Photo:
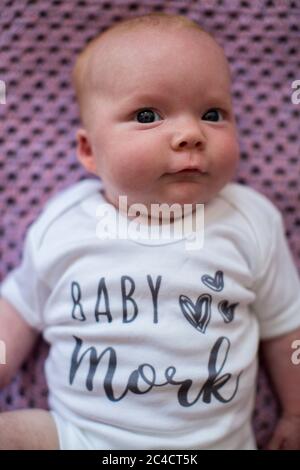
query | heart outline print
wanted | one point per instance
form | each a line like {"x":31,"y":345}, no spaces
{"x":215,"y":283}
{"x":227,"y":310}
{"x":194,"y":313}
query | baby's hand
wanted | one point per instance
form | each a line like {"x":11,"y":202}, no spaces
{"x":287,"y":434}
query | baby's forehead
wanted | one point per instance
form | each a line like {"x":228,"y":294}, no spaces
{"x":150,"y":48}
{"x":122,"y":44}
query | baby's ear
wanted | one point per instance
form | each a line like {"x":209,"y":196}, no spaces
{"x":84,"y":151}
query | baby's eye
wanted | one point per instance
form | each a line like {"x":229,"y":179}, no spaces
{"x":146,"y":116}
{"x":213,"y":115}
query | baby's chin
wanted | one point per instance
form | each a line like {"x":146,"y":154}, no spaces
{"x":186,"y":195}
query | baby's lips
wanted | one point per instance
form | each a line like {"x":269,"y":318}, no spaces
{"x":187,"y":169}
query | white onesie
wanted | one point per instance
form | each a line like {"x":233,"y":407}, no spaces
{"x":154,"y":346}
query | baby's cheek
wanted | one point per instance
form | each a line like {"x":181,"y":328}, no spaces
{"x":231,"y":153}
{"x":138,"y":167}
{"x":127,"y":175}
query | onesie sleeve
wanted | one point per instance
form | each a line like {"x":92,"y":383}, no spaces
{"x":277,"y":285}
{"x":23,"y":287}
{"x":27,"y":287}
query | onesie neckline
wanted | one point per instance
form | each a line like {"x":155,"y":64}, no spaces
{"x":116,"y":225}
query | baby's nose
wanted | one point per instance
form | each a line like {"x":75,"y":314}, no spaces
{"x":189,"y":143}
{"x":188,"y":138}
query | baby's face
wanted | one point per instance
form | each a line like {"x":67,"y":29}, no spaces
{"x":161,"y":127}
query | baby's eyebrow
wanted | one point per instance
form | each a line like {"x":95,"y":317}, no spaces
{"x":143,"y":97}
{"x":147,"y":99}
{"x":219,"y":97}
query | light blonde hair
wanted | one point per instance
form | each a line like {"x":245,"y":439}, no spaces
{"x":81,"y":70}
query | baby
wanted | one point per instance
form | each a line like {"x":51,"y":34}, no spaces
{"x":154,"y":345}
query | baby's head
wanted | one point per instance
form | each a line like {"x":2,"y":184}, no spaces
{"x":155,"y":102}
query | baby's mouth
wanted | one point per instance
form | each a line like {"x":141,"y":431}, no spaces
{"x":190,"y":172}
{"x":187,"y":174}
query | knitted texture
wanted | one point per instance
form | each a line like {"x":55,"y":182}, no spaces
{"x":38,"y":43}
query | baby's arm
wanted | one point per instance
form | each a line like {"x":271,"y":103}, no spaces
{"x":18,"y":338}
{"x":24,"y":429}
{"x":286,"y":377}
